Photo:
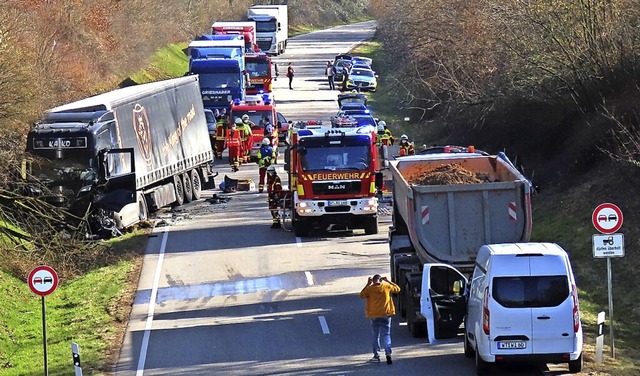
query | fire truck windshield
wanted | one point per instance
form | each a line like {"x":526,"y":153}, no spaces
{"x":332,"y":158}
{"x":257,"y":68}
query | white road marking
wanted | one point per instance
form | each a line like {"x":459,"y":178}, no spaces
{"x":298,"y":242}
{"x":309,"y":278}
{"x":323,"y":325}
{"x":152,"y":305}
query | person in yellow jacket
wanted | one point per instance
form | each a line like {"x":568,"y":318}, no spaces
{"x":379,"y":308}
{"x":247,"y":138}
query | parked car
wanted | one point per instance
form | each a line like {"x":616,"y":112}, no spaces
{"x":362,"y":60}
{"x":362,"y":79}
{"x":364,"y":119}
{"x":343,"y":120}
{"x":283,"y":129}
{"x":351,"y":97}
{"x":523,"y":306}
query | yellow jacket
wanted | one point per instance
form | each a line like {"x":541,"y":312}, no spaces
{"x":378,"y":299}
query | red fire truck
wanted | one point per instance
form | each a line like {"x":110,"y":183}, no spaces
{"x":259,"y":68}
{"x":332,"y":174}
{"x":256,"y":106}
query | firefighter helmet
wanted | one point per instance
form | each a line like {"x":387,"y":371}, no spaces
{"x":245,"y":117}
{"x":380,"y":128}
{"x":404,"y":137}
{"x":265,"y":141}
{"x":271,"y":168}
{"x":382,"y":123}
{"x":238,"y":121}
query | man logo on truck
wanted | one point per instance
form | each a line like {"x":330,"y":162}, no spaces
{"x":143,"y":131}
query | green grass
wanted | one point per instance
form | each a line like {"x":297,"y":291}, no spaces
{"x":82,"y":310}
{"x":167,"y":62}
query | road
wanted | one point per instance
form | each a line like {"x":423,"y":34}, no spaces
{"x":230,"y":296}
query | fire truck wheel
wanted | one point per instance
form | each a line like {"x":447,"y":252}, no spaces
{"x":177,"y":183}
{"x":371,"y":226}
{"x":196,"y":185}
{"x":188,"y":187}
{"x":300,"y":227}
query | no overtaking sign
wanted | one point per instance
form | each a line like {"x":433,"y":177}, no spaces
{"x":607,"y":218}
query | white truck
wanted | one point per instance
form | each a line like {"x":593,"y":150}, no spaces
{"x":272,"y":27}
{"x":441,"y":220}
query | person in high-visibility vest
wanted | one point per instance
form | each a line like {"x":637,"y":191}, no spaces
{"x":265,"y":158}
{"x":406,"y":147}
{"x":386,"y":137}
{"x":274,"y":187}
{"x":234,"y":143}
{"x":221,"y":134}
{"x":247,"y":137}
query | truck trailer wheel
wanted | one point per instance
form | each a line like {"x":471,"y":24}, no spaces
{"x":196,"y":185}
{"x":188,"y":187}
{"x":143,"y":209}
{"x":179,"y":187}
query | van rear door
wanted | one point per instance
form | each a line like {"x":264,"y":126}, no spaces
{"x":442,"y":301}
{"x":552,"y":306}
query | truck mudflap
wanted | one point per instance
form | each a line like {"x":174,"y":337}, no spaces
{"x":442,"y":301}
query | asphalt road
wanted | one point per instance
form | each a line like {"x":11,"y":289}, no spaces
{"x":230,"y":296}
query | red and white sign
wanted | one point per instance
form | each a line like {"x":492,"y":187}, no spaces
{"x":43,"y":280}
{"x":607,"y":218}
{"x":425,"y":215}
{"x":513,"y":215}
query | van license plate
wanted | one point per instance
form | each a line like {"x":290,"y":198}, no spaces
{"x":506,"y":345}
{"x":338,"y":203}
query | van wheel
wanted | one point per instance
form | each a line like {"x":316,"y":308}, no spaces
{"x":196,"y":185}
{"x":575,"y":366}
{"x":468,"y":350}
{"x":177,"y":183}
{"x":482,"y":367}
{"x":188,"y":187}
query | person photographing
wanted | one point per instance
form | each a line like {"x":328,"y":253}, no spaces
{"x":379,"y":308}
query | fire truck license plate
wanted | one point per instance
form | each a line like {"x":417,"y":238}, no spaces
{"x":506,"y":345}
{"x":337,"y":203}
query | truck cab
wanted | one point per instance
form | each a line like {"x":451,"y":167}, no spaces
{"x":272,"y":27}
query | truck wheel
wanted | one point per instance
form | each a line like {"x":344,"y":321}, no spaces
{"x":188,"y":187}
{"x":196,"y":185}
{"x":371,"y":225}
{"x":179,"y":187}
{"x":143,"y":209}
{"x":299,"y":227}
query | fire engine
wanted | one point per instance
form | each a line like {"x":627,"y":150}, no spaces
{"x":334,"y":179}
{"x":256,"y":106}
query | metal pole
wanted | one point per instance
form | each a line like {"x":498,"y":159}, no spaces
{"x":610,"y":288}
{"x":44,"y":337}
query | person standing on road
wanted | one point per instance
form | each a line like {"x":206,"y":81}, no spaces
{"x":345,"y":77}
{"x":274,"y":187}
{"x":233,"y":142}
{"x":247,"y":137}
{"x":290,"y":72}
{"x":379,"y":308}
{"x":265,"y":158}
{"x":331,"y":71}
{"x":221,"y":134}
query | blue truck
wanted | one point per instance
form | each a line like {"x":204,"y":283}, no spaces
{"x":219,"y":61}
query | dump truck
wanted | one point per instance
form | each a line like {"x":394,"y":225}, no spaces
{"x":446,"y":205}
{"x":112,"y":158}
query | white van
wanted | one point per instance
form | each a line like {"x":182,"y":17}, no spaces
{"x":522,"y":305}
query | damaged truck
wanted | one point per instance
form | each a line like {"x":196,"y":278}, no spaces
{"x":113,"y":158}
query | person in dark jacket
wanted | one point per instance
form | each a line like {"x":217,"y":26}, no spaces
{"x":290,"y":73}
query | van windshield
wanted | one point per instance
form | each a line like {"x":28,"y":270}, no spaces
{"x":530,"y":292}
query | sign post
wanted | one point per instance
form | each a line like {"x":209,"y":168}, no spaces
{"x":607,"y":219}
{"x":43,"y":280}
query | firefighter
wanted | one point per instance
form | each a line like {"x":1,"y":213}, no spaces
{"x":379,"y":134}
{"x":387,"y":137}
{"x":233,"y":142}
{"x":221,"y":134}
{"x":274,"y":187}
{"x":406,"y":147}
{"x":265,"y":157}
{"x":247,"y":137}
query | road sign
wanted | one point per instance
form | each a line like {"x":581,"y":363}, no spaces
{"x":611,"y":245}
{"x":607,"y":218}
{"x":43,"y":280}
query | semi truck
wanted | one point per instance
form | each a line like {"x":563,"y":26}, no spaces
{"x":332,"y":174}
{"x":112,"y":158}
{"x":245,"y":28}
{"x":219,"y":61}
{"x":446,"y":205}
{"x":272,"y":27}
